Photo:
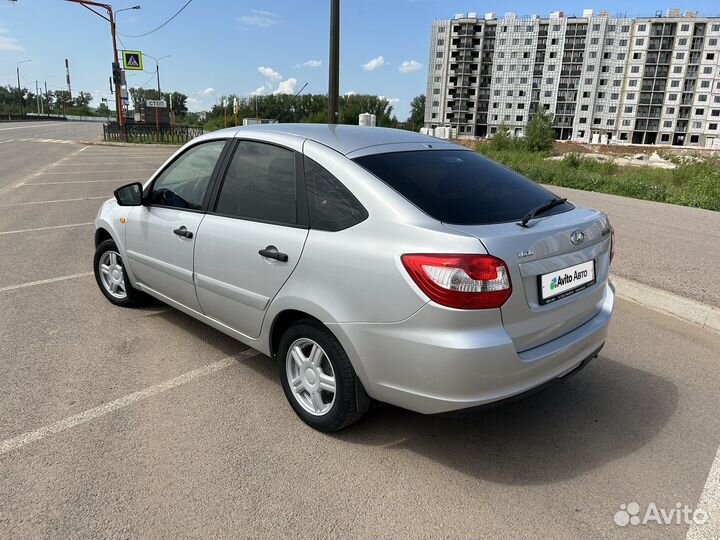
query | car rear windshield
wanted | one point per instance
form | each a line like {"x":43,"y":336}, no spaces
{"x":460,"y":186}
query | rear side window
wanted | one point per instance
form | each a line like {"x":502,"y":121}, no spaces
{"x":459,"y":186}
{"x":260,"y":184}
{"x":332,"y":207}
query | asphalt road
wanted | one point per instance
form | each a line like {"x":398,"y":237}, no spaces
{"x":145,"y":423}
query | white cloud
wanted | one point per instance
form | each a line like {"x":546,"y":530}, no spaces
{"x":259,"y":91}
{"x":351,"y":93}
{"x":259,"y":18}
{"x":310,"y":64}
{"x":8,"y":44}
{"x":286,"y":87}
{"x":391,"y":101}
{"x":270,"y":73}
{"x":207,"y":92}
{"x":408,"y":66}
{"x":374,"y":64}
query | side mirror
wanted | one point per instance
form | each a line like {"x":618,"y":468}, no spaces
{"x":129,"y":195}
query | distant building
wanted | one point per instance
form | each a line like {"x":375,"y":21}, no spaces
{"x":607,"y":79}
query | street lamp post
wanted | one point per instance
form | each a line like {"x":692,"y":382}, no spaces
{"x":47,"y":96}
{"x":20,"y":96}
{"x":157,"y":74}
{"x":334,"y":68}
{"x":110,"y":17}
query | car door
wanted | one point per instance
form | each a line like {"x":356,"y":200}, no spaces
{"x":251,"y":243}
{"x":160,"y":235}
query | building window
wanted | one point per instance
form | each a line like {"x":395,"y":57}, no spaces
{"x":611,"y":28}
{"x":596,"y":27}
{"x":583,"y":120}
{"x":606,"y":56}
{"x":612,"y":109}
{"x":609,"y":41}
{"x":712,"y":42}
{"x":675,"y":83}
{"x":665,"y":137}
{"x":586,"y":94}
{"x":436,"y":91}
{"x":551,"y":67}
{"x":631,"y":96}
{"x":438,"y":67}
{"x":621,"y":56}
{"x":702,"y":97}
{"x":614,"y":96}
{"x":441,"y":29}
{"x":616,"y":82}
{"x":712,"y":127}
{"x":584,"y":107}
{"x":715,"y":27}
{"x":548,"y":93}
{"x":439,"y":54}
{"x":635,"y":69}
{"x":619,"y":69}
{"x":610,"y":122}
{"x":626,"y":122}
{"x":715,"y":112}
{"x":707,"y":70}
{"x":519,"y":118}
{"x":596,"y":121}
{"x":625,"y":28}
{"x":685,"y":28}
{"x":667,"y":124}
{"x":677,"y":69}
{"x":594,"y":41}
{"x":556,"y":28}
{"x":628,"y":110}
{"x":704,"y":84}
{"x":553,"y":54}
{"x":672,"y":97}
{"x":435,"y":103}
{"x":637,"y":56}
{"x":553,"y":41}
{"x":521,"y":106}
{"x":641,"y":28}
{"x":682,"y":41}
{"x":441,"y":42}
{"x":639,"y":42}
{"x":670,"y":110}
{"x":549,"y":80}
{"x":694,"y":139}
{"x":633,"y":82}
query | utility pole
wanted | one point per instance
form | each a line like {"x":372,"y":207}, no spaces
{"x":110,"y":17}
{"x":37,"y":97}
{"x":20,"y":95}
{"x":47,"y":96}
{"x":334,"y":73}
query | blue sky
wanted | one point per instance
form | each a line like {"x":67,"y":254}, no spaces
{"x":246,"y":46}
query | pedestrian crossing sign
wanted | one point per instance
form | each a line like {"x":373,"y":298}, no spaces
{"x":132,"y":60}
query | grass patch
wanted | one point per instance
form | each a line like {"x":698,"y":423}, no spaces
{"x":695,"y":184}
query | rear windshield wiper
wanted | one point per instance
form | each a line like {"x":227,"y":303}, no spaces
{"x":547,"y":205}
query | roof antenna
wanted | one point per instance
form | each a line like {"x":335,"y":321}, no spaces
{"x":291,"y":102}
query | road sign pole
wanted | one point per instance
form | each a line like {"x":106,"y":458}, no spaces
{"x":334,"y":67}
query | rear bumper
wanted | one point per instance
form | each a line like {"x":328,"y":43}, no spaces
{"x":442,"y":360}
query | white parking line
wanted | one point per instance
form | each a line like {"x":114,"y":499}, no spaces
{"x":709,"y":502}
{"x":43,"y":282}
{"x":47,"y":228}
{"x":104,"y":171}
{"x":128,"y":180}
{"x":120,"y":403}
{"x":25,"y":127}
{"x":54,"y":201}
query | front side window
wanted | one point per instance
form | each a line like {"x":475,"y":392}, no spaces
{"x":184,"y":183}
{"x":331,"y":206}
{"x":459,"y":186}
{"x":260,"y":184}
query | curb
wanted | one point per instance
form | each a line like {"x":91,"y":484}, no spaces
{"x":697,"y":313}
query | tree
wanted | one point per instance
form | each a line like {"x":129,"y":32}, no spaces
{"x":540,"y":134}
{"x":417,"y":112}
{"x":102,"y":109}
{"x":501,"y":140}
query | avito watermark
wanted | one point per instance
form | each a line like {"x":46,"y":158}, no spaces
{"x":680,"y":514}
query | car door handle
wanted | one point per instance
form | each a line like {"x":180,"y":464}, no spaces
{"x":271,"y":252}
{"x":182,"y":231}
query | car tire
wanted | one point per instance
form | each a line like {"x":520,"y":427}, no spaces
{"x":112,"y":277}
{"x":310,"y":361}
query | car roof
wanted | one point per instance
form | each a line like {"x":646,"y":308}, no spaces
{"x":342,"y":138}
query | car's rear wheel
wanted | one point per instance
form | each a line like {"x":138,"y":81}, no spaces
{"x":318,"y":378}
{"x":112,"y":278}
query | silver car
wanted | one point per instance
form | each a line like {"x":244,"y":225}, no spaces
{"x":374,"y":264}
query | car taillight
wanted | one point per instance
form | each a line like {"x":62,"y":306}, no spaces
{"x":612,"y":244}
{"x":460,"y":281}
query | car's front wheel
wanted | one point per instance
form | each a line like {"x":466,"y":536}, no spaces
{"x":318,"y":378}
{"x":112,"y":278}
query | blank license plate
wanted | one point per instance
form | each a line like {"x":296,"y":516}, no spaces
{"x":562,"y":283}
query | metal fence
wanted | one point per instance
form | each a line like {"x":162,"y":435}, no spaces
{"x":144,"y":133}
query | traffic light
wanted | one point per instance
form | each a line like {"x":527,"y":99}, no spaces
{"x":117,"y":76}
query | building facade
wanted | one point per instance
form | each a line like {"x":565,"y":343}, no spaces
{"x":606,"y":79}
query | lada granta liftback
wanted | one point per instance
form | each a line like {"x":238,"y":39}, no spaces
{"x":374,"y":264}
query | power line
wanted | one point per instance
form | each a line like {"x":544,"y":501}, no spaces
{"x":159,"y":27}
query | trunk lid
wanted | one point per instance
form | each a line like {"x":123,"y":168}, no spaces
{"x":545,"y":247}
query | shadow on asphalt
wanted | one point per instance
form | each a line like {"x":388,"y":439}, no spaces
{"x":602,"y":414}
{"x":607,"y":411}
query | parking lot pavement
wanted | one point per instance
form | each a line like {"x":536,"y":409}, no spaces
{"x":658,"y":242}
{"x":146,"y":423}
